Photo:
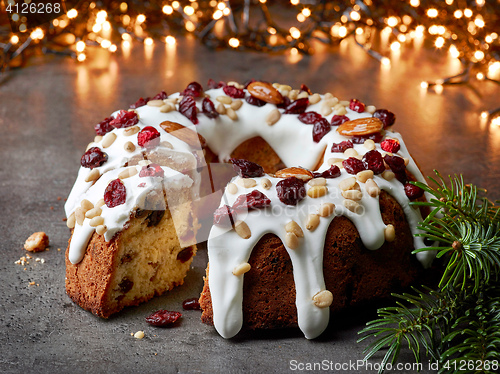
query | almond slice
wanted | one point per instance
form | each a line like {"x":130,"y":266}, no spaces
{"x":296,"y":172}
{"x":265,"y":92}
{"x":360,"y":126}
{"x":183,"y":133}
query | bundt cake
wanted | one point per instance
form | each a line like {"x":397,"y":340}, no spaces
{"x":296,"y":242}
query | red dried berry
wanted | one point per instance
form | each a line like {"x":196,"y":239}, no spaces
{"x":185,"y":254}
{"x":252,"y":100}
{"x":373,"y":161}
{"x":148,"y":137}
{"x":103,"y":127}
{"x":413,"y":192}
{"x":342,"y":146}
{"x":214,"y":85}
{"x":360,"y":139}
{"x":247,"y":169}
{"x":390,"y":145}
{"x":304,"y":88}
{"x":310,"y":118}
{"x":223,"y":216}
{"x":115,"y":193}
{"x":396,"y":163}
{"x":286,"y":101}
{"x":320,"y":129}
{"x":160,"y":96}
{"x":163,"y":318}
{"x":193,"y":89}
{"x":139,"y":103}
{"x":191,"y":304}
{"x":234,"y":92}
{"x":357,"y":106}
{"x":124,"y":119}
{"x":297,"y":107}
{"x":93,"y":158}
{"x":152,"y":170}
{"x":187,"y":107}
{"x":333,"y":172}
{"x":208,"y":108}
{"x":251,"y":201}
{"x":338,"y":120}
{"x":353,"y":166}
{"x":247,"y":83}
{"x":291,"y":190}
{"x":387,"y":117}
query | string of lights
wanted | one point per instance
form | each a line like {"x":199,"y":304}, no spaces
{"x":466,"y":29}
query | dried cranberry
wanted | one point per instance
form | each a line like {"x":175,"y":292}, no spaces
{"x":223,"y":216}
{"x":387,"y":117}
{"x":115,"y":193}
{"x":152,"y":170}
{"x":290,"y":190}
{"x":234,"y":92}
{"x":193,"y":89}
{"x":160,"y":96}
{"x":286,"y":101}
{"x":390,"y":145}
{"x":252,"y":100}
{"x":373,"y":161}
{"x":139,"y":103}
{"x":304,"y":88}
{"x":187,"y":107}
{"x":251,"y":201}
{"x":333,"y":172}
{"x":247,"y":83}
{"x":214,"y":85}
{"x":148,"y":137}
{"x":185,"y":254}
{"x":208,"y":108}
{"x":338,"y":120}
{"x":103,"y":127}
{"x":360,"y":139}
{"x":342,"y":146}
{"x":353,"y":166}
{"x":357,"y":106}
{"x":124,"y":118}
{"x":297,"y":107}
{"x":163,"y":318}
{"x":396,"y":163}
{"x":310,"y":118}
{"x":93,"y":158}
{"x":191,"y":304}
{"x":247,"y":169}
{"x":413,"y":192}
{"x":320,"y":129}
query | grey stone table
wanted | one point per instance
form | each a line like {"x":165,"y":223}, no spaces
{"x":47,"y":113}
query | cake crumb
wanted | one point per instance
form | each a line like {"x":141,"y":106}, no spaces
{"x":32,"y":283}
{"x":139,"y":335}
{"x":37,"y":242}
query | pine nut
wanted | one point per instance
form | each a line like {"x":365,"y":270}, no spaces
{"x":236,"y":104}
{"x":327,"y":96}
{"x":276,"y":85}
{"x":323,"y":299}
{"x":326,"y":209}
{"x":372,"y":188}
{"x":351,"y":152}
{"x":96,"y":221}
{"x":314,"y":99}
{"x":171,"y":100}
{"x":86,"y":205}
{"x":266,"y":183}
{"x":388,"y":175}
{"x":93,"y":175}
{"x":390,"y":233}
{"x":369,"y":144}
{"x":108,"y":139}
{"x":242,"y":269}
{"x":371,"y":109}
{"x":317,"y":191}
{"x":355,"y":195}
{"x":326,"y":109}
{"x":166,"y":108}
{"x":235,"y":84}
{"x":127,"y":173}
{"x":224,"y":99}
{"x":139,"y":335}
{"x":345,"y":102}
{"x":129,"y":147}
{"x":273,"y":117}
{"x":293,"y":95}
{"x":294,"y":227}
{"x":156,"y":103}
{"x":97,"y":138}
{"x":71,"y":221}
{"x":101,"y":229}
{"x":93,"y":213}
{"x":129,"y":131}
{"x":144,"y":162}
{"x":340,"y":111}
{"x":100,"y":203}
{"x":352,"y":206}
{"x":79,"y":216}
{"x":330,"y":102}
{"x":364,"y":175}
{"x":347,"y":184}
{"x":246,"y":182}
{"x":232,"y":188}
{"x":221,"y":109}
{"x":285,"y":87}
{"x":406,"y":160}
{"x":166,"y":144}
{"x":303,"y":95}
{"x":291,"y":240}
{"x":312,"y":222}
{"x":242,"y":229}
{"x":317,"y":182}
{"x":231,"y":114}
{"x":334,"y":161}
